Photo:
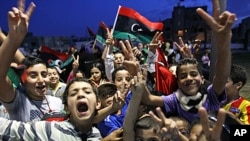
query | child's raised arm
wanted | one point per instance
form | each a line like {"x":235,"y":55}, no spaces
{"x":221,"y":24}
{"x":18,"y":21}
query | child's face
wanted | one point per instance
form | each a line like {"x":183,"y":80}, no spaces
{"x":118,"y":59}
{"x":36,"y":81}
{"x":106,"y":101}
{"x":182,"y":127}
{"x":189,"y":79}
{"x":122,"y":80}
{"x":53,"y":75}
{"x":96,"y":74}
{"x":147,"y":135}
{"x":79,"y":75}
{"x":232,"y":90}
{"x":82,"y":103}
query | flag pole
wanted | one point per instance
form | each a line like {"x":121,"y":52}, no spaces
{"x":116,"y":17}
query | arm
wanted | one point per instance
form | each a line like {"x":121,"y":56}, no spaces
{"x":107,"y":55}
{"x":18,"y":21}
{"x":118,"y":103}
{"x":152,"y":53}
{"x":151,"y":100}
{"x":19,"y":57}
{"x":11,"y":129}
{"x":133,"y":107}
{"x":221,"y":25}
{"x":114,"y":136}
{"x":75,"y":66}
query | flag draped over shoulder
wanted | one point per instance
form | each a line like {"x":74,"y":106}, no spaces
{"x":100,"y":39}
{"x":130,"y":23}
{"x":165,"y":81}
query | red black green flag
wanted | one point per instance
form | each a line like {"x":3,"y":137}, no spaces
{"x":101,"y":35}
{"x":91,"y":32}
{"x":130,"y":23}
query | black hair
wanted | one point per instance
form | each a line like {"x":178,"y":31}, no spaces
{"x":101,"y":67}
{"x":116,"y":70}
{"x":66,"y":91}
{"x":28,"y":62}
{"x":31,"y":61}
{"x":238,"y":74}
{"x":106,"y":89}
{"x":147,"y":122}
{"x":186,"y":61}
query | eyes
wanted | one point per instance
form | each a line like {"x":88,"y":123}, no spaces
{"x":119,"y":79}
{"x":54,"y":73}
{"x":35,"y":74}
{"x":76,"y":91}
{"x":118,"y":58}
{"x":190,"y":74}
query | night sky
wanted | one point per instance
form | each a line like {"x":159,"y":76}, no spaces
{"x":72,"y":17}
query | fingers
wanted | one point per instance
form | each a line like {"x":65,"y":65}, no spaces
{"x":123,"y":47}
{"x":219,"y":123}
{"x":208,"y":19}
{"x":30,"y":10}
{"x":216,"y":9}
{"x":156,"y":37}
{"x":129,"y":47}
{"x":21,"y":5}
{"x":204,"y":121}
{"x":77,"y":58}
{"x":155,"y":118}
{"x":231,"y":18}
{"x":181,"y":42}
{"x":160,"y":113}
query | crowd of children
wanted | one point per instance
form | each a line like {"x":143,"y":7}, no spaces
{"x":116,"y":99}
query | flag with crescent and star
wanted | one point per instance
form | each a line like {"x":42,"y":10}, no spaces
{"x":130,"y":23}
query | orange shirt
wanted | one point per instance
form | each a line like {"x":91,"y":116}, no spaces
{"x":241,"y":109}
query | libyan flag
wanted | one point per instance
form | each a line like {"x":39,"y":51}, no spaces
{"x":131,"y":24}
{"x":100,"y":39}
{"x":54,"y":58}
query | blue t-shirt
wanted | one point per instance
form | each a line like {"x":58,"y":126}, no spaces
{"x":114,"y":121}
{"x":212,"y":103}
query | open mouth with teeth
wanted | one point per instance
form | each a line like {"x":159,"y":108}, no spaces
{"x":82,"y":108}
{"x":41,"y":88}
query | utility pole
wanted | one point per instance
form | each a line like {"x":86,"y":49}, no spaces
{"x":213,"y":54}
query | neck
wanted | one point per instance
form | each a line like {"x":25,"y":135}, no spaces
{"x":83,"y":127}
{"x":54,"y":85}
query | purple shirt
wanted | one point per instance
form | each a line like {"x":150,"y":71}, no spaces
{"x":212,"y":103}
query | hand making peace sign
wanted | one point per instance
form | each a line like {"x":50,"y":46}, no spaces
{"x":184,"y":50}
{"x":220,"y":23}
{"x":75,"y":64}
{"x":18,"y":20}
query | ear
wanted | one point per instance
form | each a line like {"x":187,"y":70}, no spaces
{"x":202,"y":79}
{"x":98,"y":104}
{"x":239,"y":85}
